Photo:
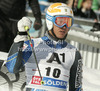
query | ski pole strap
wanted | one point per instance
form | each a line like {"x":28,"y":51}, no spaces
{"x":22,"y":33}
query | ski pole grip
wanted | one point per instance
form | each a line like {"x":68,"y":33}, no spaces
{"x":26,"y":28}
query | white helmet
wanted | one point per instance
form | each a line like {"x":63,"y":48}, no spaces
{"x":55,"y":10}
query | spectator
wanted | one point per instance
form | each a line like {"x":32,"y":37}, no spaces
{"x":73,"y":6}
{"x":86,"y":10}
{"x":63,"y":1}
{"x":96,"y":28}
{"x":75,"y":9}
{"x":10,"y":12}
{"x":70,"y":3}
{"x":96,"y":5}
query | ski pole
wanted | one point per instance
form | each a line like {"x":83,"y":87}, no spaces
{"x":27,"y":28}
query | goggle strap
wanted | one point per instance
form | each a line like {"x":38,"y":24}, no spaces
{"x":49,"y":17}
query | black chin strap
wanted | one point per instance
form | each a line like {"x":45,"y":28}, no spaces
{"x":55,"y":37}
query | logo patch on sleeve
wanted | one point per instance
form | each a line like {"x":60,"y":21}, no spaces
{"x":79,"y":74}
{"x":24,"y":46}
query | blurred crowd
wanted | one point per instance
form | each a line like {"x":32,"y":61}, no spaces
{"x":13,"y":10}
{"x":81,"y":8}
{"x":84,"y":9}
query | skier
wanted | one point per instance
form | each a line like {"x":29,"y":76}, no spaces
{"x":54,"y":63}
{"x":10,"y":12}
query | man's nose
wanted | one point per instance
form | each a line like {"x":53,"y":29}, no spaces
{"x":64,"y":27}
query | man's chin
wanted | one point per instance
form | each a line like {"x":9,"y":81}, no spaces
{"x":62,"y":37}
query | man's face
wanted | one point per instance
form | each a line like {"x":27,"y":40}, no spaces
{"x":87,"y":4}
{"x":75,"y":3}
{"x":60,"y":32}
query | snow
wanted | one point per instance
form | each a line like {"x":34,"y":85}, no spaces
{"x":91,"y":79}
{"x":4,"y":55}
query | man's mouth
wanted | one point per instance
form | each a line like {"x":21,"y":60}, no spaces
{"x":62,"y":31}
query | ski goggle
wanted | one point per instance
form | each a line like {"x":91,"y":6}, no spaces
{"x":61,"y":20}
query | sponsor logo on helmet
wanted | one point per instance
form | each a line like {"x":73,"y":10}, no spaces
{"x":49,"y":17}
{"x":71,"y":11}
{"x":65,"y":10}
{"x":53,"y":9}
